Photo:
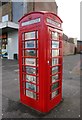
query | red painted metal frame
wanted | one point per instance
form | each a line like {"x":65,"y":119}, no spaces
{"x":44,"y":103}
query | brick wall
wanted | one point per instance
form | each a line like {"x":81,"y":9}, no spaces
{"x":30,"y":6}
{"x":65,"y":37}
{"x":46,"y":6}
{"x":68,"y":48}
{"x":6,"y":9}
{"x":42,"y":6}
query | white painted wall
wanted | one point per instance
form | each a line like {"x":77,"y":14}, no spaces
{"x":12,"y":44}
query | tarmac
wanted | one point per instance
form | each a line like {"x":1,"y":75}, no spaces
{"x":68,"y":108}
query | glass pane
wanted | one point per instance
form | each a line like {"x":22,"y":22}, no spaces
{"x":31,"y":86}
{"x":30,"y":53}
{"x":54,"y":78}
{"x":54,"y":86}
{"x":30,"y":70}
{"x":31,"y":78}
{"x":23,"y":54}
{"x":55,"y":35}
{"x":55,"y":61}
{"x":55,"y":53}
{"x":30,"y":61}
{"x":30,"y":94}
{"x":55,"y":44}
{"x":22,"y":61}
{"x":23,"y":44}
{"x":30,"y":44}
{"x":55,"y":93}
{"x":37,"y":34}
{"x":30,"y":35}
{"x":55,"y":69}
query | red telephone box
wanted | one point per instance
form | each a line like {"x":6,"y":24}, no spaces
{"x":40,"y":60}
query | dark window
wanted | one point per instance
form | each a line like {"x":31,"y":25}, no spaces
{"x":3,"y":3}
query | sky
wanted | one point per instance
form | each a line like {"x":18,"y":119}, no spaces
{"x":69,"y":12}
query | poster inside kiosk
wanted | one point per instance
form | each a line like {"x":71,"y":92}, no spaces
{"x":30,"y":53}
{"x":31,"y":62}
{"x":31,"y":78}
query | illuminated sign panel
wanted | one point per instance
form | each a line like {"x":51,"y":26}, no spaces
{"x":53,"y":22}
{"x":31,"y":22}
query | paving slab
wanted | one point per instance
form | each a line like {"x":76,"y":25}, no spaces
{"x":69,"y":108}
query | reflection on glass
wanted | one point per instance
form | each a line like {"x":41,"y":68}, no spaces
{"x":55,"y":44}
{"x":54,"y":86}
{"x":30,"y":44}
{"x":30,"y":35}
{"x":37,"y":44}
{"x":54,"y":78}
{"x":23,"y":53}
{"x":31,"y":78}
{"x":30,"y":61}
{"x":30,"y":94}
{"x":23,"y":36}
{"x":37,"y":34}
{"x":55,"y":35}
{"x":30,"y":53}
{"x":23,"y":45}
{"x":31,"y":86}
{"x":23,"y":76}
{"x":55,"y":70}
{"x":55,"y":93}
{"x":55,"y":53}
{"x":54,"y":61}
{"x":23,"y":68}
{"x":30,"y":70}
{"x":22,"y":61}
{"x":24,"y":85}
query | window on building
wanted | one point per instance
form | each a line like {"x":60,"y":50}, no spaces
{"x":4,"y":18}
{"x":3,"y":3}
{"x":3,"y":45}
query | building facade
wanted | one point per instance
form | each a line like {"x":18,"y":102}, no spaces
{"x":11,"y":13}
{"x":9,"y":31}
{"x":79,"y":46}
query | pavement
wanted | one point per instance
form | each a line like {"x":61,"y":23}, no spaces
{"x":69,"y":108}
